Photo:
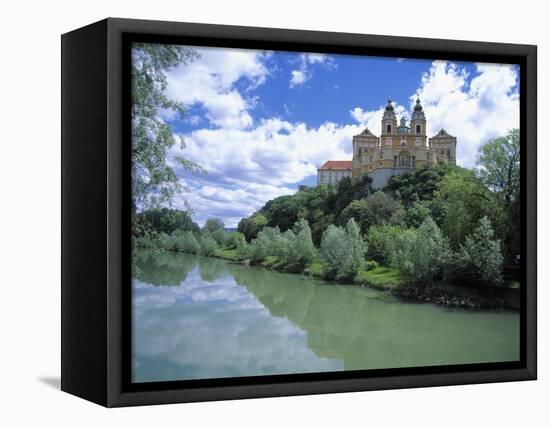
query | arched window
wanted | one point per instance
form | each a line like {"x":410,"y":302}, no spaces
{"x":418,"y":128}
{"x":388,"y":128}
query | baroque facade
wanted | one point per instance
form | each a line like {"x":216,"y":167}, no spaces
{"x":399,"y":148}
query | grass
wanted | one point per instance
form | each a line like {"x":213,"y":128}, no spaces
{"x":229,"y":254}
{"x":316,"y":270}
{"x":380,"y":277}
{"x":271,"y":262}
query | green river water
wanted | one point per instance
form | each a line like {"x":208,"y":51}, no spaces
{"x":196,"y":317}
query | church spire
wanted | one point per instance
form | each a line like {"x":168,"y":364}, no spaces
{"x":418,"y":105}
{"x":389,"y":120}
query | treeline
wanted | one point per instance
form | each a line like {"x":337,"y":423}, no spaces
{"x":169,"y":229}
{"x":456,"y":199}
{"x":442,"y":224}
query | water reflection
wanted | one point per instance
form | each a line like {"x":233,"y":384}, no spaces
{"x":162,"y":268}
{"x":223,"y":320}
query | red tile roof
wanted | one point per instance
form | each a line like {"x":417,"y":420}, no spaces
{"x":337,"y":165}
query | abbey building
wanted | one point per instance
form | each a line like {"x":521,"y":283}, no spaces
{"x":399,"y":149}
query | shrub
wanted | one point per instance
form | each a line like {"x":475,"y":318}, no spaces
{"x":369,"y":265}
{"x":343,"y":250}
{"x":187,"y":243}
{"x":243,"y":251}
{"x":208,"y":246}
{"x":167,"y":242}
{"x":250,"y":227}
{"x":267,"y":243}
{"x":423,"y":255}
{"x":382,"y":243}
{"x":219,"y":235}
{"x":213,"y":224}
{"x":417,"y":214}
{"x":235,"y":240}
{"x":479,"y":258}
{"x":144,"y":242}
{"x":302,"y":250}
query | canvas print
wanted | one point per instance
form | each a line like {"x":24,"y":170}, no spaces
{"x":298,"y":212}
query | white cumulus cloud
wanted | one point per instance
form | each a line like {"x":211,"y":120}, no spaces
{"x":251,"y":162}
{"x":485,"y":108}
{"x":248,"y":167}
{"x":210,"y":82}
{"x":304,"y":71}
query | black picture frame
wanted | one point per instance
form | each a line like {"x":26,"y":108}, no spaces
{"x":95,"y":287}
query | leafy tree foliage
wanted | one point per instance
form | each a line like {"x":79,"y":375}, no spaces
{"x":187,"y":243}
{"x":423,"y":254}
{"x":165,"y":220}
{"x":418,"y":185}
{"x":235,"y":240}
{"x":212,"y":225}
{"x":499,"y":169}
{"x":466,"y":201}
{"x":479,"y":259}
{"x":377,"y":209}
{"x":382,"y":243}
{"x":320,"y":206}
{"x":417,"y":213}
{"x":154,"y":182}
{"x":343,"y":249}
{"x":219,"y":235}
{"x":208,"y":245}
{"x":498,"y":163}
{"x":250,"y":227}
{"x":302,"y":251}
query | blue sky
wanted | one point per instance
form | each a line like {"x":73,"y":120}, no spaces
{"x":261,"y":123}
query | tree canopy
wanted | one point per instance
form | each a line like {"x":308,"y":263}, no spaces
{"x":154,"y":181}
{"x":498,"y":162}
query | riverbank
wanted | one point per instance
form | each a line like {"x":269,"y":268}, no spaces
{"x":389,"y":280}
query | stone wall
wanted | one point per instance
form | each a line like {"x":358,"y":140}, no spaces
{"x":381,"y":176}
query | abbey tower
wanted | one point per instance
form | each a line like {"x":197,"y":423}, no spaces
{"x":400,"y":148}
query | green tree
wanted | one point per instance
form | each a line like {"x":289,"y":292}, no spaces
{"x":498,"y":163}
{"x":250,"y":227}
{"x":208,"y":245}
{"x":212,"y":225}
{"x":480,"y":259}
{"x":219,"y":235}
{"x":356,"y":210}
{"x":166,"y":220}
{"x":382,"y":242}
{"x":499,"y":169}
{"x":269,"y":242}
{"x":465,"y":200}
{"x":418,"y":185}
{"x":283,"y":211}
{"x":423,"y":255}
{"x":417,"y":213}
{"x":343,"y":249}
{"x":187,"y":243}
{"x":235,"y":240}
{"x":377,"y":209}
{"x":153,"y":180}
{"x":303,"y":250}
